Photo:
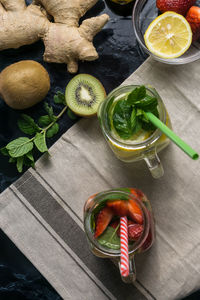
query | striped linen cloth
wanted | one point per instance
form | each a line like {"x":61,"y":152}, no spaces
{"x":42,"y":213}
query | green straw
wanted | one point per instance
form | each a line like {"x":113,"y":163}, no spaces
{"x":172,"y":136}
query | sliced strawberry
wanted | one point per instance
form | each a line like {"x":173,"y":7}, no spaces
{"x":102,"y":220}
{"x":130,"y":222}
{"x":89,"y":202}
{"x":119,"y":207}
{"x":135,"y":231}
{"x":137,"y":193}
{"x":178,"y":6}
{"x":135,"y":212}
{"x":193,"y":18}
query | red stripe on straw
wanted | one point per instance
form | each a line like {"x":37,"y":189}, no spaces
{"x":124,"y":261}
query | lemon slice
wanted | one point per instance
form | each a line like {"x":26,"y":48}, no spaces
{"x":169,"y":35}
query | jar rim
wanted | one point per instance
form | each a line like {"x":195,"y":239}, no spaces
{"x":153,"y":137}
{"x":112,"y":252}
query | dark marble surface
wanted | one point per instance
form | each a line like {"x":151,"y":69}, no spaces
{"x":119,"y":56}
{"x":19,"y":280}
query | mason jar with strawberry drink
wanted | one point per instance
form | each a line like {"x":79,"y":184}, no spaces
{"x":102,"y":214}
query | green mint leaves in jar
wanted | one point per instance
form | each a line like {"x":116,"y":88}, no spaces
{"x":128,"y":115}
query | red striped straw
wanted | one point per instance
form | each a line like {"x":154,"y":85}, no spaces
{"x":124,"y":261}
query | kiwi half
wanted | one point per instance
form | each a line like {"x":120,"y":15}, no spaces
{"x":83,"y":95}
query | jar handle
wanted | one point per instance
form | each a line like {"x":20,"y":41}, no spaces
{"x":154,"y":164}
{"x":132,"y":271}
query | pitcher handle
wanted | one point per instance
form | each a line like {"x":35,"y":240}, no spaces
{"x":132,"y":272}
{"x":154,"y":165}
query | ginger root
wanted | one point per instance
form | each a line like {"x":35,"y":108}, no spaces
{"x":65,"y":41}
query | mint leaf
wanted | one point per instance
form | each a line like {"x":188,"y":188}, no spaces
{"x":143,"y":118}
{"x":4,"y":151}
{"x":52,"y":130}
{"x":155,"y":112}
{"x":59,"y":98}
{"x":20,"y":161}
{"x":146,"y":124}
{"x":139,"y":112}
{"x":121,"y":119}
{"x":44,"y":121}
{"x":40,"y":142}
{"x":133,"y":119}
{"x":138,"y":126}
{"x":115,"y":196}
{"x":28,"y":162}
{"x":109,"y":239}
{"x":27,"y":125}
{"x":129,"y":115}
{"x":136,"y":95}
{"x":19,"y":147}
{"x":12,"y":160}
{"x":29,"y":155}
{"x":49,"y":110}
{"x":71,"y":114}
{"x":147,"y":104}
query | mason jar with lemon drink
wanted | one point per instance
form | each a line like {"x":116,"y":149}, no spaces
{"x":126,"y":128}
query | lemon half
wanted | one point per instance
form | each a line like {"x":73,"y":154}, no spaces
{"x":169,"y":35}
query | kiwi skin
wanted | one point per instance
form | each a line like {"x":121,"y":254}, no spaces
{"x":103,"y":90}
{"x":24,"y":84}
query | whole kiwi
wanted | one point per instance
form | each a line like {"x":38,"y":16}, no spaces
{"x":24,"y":84}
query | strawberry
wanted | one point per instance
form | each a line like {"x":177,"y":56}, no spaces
{"x":102,"y":220}
{"x":129,"y":208}
{"x":137,"y":193}
{"x":179,"y":6}
{"x":119,"y":207}
{"x":135,"y":212}
{"x":130,"y":222}
{"x":135,"y":231}
{"x":193,"y":18}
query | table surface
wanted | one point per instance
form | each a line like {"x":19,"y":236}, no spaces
{"x":119,"y":56}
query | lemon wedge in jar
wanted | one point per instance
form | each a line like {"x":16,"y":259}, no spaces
{"x":169,"y":35}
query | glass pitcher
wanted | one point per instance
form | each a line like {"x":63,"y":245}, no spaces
{"x":133,"y":150}
{"x":142,"y":244}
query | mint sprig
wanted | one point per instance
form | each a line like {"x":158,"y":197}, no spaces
{"x":109,"y":238}
{"x":21,"y":150}
{"x":129,"y":114}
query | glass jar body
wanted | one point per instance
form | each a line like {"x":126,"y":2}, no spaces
{"x":130,"y":150}
{"x":148,"y":237}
